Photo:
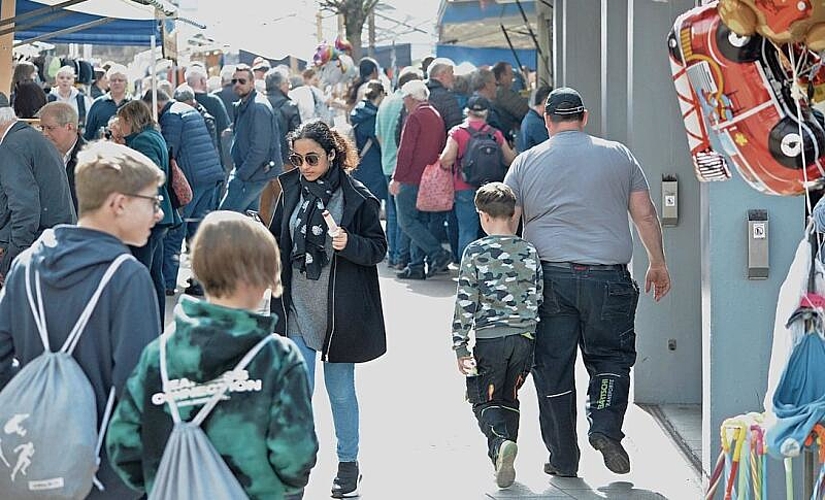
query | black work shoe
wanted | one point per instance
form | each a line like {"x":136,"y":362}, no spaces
{"x":441,"y":264}
{"x":553,"y":471}
{"x":194,"y":289}
{"x":346,"y":482}
{"x":505,"y":471}
{"x":409,"y":273}
{"x":615,"y":456}
{"x":170,"y":292}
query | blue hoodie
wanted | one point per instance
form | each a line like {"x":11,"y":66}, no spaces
{"x":71,"y":261}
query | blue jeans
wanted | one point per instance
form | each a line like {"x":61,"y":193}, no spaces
{"x":242,"y":195}
{"x":595,"y":310}
{"x":416,"y":225}
{"x":464,"y":208}
{"x":339,"y":379}
{"x":151,"y":256}
{"x":397,"y":241}
{"x":204,"y":200}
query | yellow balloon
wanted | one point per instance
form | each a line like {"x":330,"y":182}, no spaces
{"x":781,"y":21}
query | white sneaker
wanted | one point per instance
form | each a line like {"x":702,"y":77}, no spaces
{"x":505,"y":470}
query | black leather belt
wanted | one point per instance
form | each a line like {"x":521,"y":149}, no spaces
{"x":585,"y":267}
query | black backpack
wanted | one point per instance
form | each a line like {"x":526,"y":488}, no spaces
{"x":483,"y":160}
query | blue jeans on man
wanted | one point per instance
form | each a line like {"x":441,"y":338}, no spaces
{"x":204,"y":200}
{"x":242,"y":195}
{"x":592,"y":308}
{"x":416,"y":225}
{"x":398,"y":243}
{"x":464,"y":208}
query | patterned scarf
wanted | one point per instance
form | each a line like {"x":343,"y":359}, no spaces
{"x":308,"y":252}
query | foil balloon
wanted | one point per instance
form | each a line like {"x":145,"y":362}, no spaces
{"x":343,"y":45}
{"x":742,"y":106}
{"x":780,"y":21}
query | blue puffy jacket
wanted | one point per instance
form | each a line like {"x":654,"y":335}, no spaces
{"x":191,"y":145}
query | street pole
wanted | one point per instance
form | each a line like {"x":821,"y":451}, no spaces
{"x":371,"y":30}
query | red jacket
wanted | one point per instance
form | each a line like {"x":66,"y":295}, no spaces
{"x":422,"y":141}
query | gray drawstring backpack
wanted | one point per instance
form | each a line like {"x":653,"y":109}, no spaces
{"x":49,"y":441}
{"x":191,"y":468}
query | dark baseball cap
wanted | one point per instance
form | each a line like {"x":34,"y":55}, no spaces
{"x":564,"y":101}
{"x":478,"y":103}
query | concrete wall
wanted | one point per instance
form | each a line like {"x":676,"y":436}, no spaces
{"x":656,"y":135}
{"x":721,"y":321}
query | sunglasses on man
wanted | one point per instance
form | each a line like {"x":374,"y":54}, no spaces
{"x":242,"y":81}
{"x":312,"y":159}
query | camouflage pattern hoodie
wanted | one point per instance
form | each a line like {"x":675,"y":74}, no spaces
{"x":500,"y":288}
{"x":264,"y":428}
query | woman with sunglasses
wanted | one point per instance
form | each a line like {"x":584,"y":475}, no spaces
{"x":141,"y":133}
{"x":331,"y":302}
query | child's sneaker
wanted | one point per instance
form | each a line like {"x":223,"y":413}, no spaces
{"x":505,"y":470}
{"x":346,"y":482}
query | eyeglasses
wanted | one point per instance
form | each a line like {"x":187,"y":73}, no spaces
{"x":312,"y":159}
{"x":242,"y":81}
{"x":157,"y":200}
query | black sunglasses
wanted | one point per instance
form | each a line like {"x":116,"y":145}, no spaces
{"x":312,"y":159}
{"x":242,"y":81}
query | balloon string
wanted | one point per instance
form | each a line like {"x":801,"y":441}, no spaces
{"x":796,"y":96}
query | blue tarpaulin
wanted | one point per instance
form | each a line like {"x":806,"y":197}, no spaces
{"x":471,"y":31}
{"x":116,"y":32}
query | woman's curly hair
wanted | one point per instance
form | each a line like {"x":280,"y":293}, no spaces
{"x":330,"y":140}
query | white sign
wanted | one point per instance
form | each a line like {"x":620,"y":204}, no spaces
{"x":759,"y":230}
{"x":670,"y":200}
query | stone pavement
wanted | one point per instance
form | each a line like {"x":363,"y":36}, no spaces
{"x":419,"y":439}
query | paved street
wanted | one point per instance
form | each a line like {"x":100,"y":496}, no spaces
{"x":419,"y":439}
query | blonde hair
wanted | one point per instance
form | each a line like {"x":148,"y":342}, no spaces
{"x":229,"y":249}
{"x":104,"y":167}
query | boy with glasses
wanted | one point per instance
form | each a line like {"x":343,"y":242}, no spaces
{"x":118,"y":205}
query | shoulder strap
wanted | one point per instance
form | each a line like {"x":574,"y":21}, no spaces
{"x":81,"y":108}
{"x":39,"y":312}
{"x":83,"y":320}
{"x":216,"y":398}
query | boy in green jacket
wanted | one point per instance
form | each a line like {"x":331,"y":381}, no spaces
{"x":264,"y":427}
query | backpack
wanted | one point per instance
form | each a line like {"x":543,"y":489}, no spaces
{"x":483,"y":161}
{"x":50,"y":443}
{"x":191,"y":468}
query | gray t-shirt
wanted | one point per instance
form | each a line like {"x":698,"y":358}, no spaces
{"x":574,"y":192}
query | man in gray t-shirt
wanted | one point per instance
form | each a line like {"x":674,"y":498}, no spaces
{"x":574,"y":193}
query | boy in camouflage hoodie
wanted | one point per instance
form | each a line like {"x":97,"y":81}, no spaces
{"x":264,"y":427}
{"x":499,"y":292}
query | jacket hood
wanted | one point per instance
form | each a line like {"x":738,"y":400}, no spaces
{"x":365,"y":110}
{"x":68,"y":255}
{"x":210,"y":339}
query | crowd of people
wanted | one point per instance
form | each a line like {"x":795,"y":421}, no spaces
{"x":112,"y":188}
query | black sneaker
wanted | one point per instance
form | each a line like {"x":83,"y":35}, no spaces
{"x":409,"y":273}
{"x":441,"y":264}
{"x":615,"y":456}
{"x":553,"y":471}
{"x":505,"y":470}
{"x":346,"y":482}
{"x":194,"y":288}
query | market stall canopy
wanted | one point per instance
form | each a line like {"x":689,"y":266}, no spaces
{"x":109,"y":22}
{"x":471,"y":30}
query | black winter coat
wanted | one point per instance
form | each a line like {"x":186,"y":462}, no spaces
{"x":355,"y":318}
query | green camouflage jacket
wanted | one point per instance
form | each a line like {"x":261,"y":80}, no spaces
{"x":499,"y":290}
{"x":264,"y":428}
